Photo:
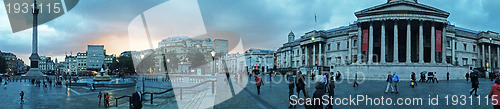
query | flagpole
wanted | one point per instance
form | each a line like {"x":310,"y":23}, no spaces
{"x":315,"y":22}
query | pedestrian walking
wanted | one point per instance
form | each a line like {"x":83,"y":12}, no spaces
{"x":395,"y":80}
{"x":331,"y":90}
{"x":355,"y":80}
{"x":389,"y":83}
{"x":22,"y":97}
{"x":475,"y":83}
{"x":300,"y":84}
{"x":430,"y":77}
{"x":422,"y":77}
{"x":447,"y":76}
{"x":325,"y":80}
{"x":435,"y":78}
{"x":291,"y":86}
{"x":338,"y":76}
{"x":318,"y":94}
{"x":270,"y":76}
{"x":100,"y":97}
{"x":259,"y":82}
{"x":495,"y":94}
{"x":107,"y":100}
{"x":137,"y":98}
{"x":413,"y":82}
{"x":467,"y":76}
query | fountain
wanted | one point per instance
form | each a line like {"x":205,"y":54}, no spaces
{"x":100,"y":77}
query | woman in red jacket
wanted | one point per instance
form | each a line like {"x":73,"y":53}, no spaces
{"x":495,"y":93}
{"x":259,"y":82}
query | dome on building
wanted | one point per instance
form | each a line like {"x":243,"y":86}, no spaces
{"x":291,"y":34}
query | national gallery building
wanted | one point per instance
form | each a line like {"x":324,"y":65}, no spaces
{"x":401,"y":36}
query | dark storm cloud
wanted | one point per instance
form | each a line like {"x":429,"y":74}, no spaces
{"x":259,"y":23}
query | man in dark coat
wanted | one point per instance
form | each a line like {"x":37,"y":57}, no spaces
{"x":331,"y":90}
{"x":300,"y":83}
{"x":475,"y":83}
{"x":137,"y":99}
{"x":318,"y":94}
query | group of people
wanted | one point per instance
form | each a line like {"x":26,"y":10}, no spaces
{"x":324,"y":84}
{"x":392,"y":82}
{"x":106,"y":99}
{"x":431,"y":77}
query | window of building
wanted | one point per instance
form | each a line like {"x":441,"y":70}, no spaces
{"x":455,"y":45}
{"x":338,"y":45}
{"x":448,"y":43}
{"x":464,"y":61}
{"x":347,"y":44}
{"x":473,"y":48}
{"x":354,"y":43}
{"x":329,"y":46}
{"x":465,"y":47}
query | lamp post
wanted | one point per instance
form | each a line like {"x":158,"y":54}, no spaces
{"x":250,"y":63}
{"x":213,"y":60}
{"x":489,"y":55}
{"x":165,"y":61}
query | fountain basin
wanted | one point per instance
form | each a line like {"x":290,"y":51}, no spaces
{"x":112,"y":82}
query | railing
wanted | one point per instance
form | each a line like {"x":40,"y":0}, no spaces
{"x":181,"y":88}
{"x":129,"y":97}
{"x":168,"y":90}
{"x":197,"y":86}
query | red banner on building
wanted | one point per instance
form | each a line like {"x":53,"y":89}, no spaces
{"x":438,"y":41}
{"x":365,"y":40}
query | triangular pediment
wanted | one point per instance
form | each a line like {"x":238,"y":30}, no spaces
{"x":402,"y":7}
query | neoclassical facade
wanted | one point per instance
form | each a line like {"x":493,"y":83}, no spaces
{"x":401,"y":36}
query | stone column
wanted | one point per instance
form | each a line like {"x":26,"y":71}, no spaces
{"x":314,"y":54}
{"x":408,"y":42}
{"x":489,"y":55}
{"x":433,"y":44}
{"x":382,"y":43}
{"x":443,"y":46}
{"x":300,"y":56}
{"x":482,"y":53}
{"x":320,"y":57}
{"x":370,"y":44}
{"x":358,"y":60}
{"x":453,"y":50}
{"x":421,"y":43}
{"x":396,"y":56}
{"x":307,"y":55}
{"x":349,"y":56}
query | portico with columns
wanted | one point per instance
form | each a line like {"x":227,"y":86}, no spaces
{"x":401,"y":36}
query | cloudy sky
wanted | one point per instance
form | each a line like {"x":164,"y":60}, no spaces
{"x":258,"y":23}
